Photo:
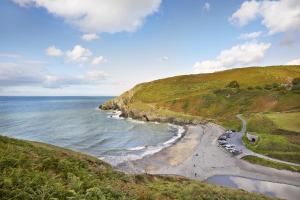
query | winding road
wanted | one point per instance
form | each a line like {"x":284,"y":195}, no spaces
{"x":198,"y":156}
{"x":236,"y":139}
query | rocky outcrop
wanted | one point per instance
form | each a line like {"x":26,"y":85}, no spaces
{"x":123,"y":104}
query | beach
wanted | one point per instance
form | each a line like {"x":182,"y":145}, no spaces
{"x":198,"y":156}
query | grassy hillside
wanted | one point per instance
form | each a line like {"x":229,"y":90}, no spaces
{"x":269,"y":96}
{"x":268,"y":163}
{"x":194,"y":98}
{"x":286,"y":121}
{"x":279,"y":135}
{"x":30,"y":170}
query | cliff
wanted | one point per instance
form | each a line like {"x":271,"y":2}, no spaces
{"x":199,"y":98}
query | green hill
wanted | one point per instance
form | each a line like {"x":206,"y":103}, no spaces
{"x":268,"y":96}
{"x":31,"y":170}
{"x":202,"y":97}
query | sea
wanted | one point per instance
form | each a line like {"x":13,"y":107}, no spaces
{"x":76,"y":123}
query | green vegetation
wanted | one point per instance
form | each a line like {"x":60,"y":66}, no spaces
{"x":233,"y":84}
{"x":269,"y":96}
{"x":296,"y":85}
{"x":286,"y":121}
{"x":278,"y":136}
{"x":31,"y":170}
{"x":268,"y":163}
{"x":215,"y":97}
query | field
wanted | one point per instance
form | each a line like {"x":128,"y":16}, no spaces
{"x":268,"y":163}
{"x":277,"y":135}
{"x":286,"y":121}
{"x":208,"y":96}
{"x":30,"y":170}
{"x":267,"y":96}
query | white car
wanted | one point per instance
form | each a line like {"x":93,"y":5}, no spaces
{"x":223,"y":142}
{"x":229,"y":146}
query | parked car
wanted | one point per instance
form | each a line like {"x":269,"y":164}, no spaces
{"x":224,"y":144}
{"x":222,"y":137}
{"x":236,"y":152}
{"x":229,"y":148}
{"x":230,"y":145}
{"x":221,"y":142}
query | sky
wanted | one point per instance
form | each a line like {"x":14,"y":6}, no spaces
{"x":105,"y":47}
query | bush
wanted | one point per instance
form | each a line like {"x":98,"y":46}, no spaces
{"x":268,"y":87}
{"x":258,"y":87}
{"x":275,"y":85}
{"x":296,"y":85}
{"x":296,"y":81}
{"x":233,"y":84}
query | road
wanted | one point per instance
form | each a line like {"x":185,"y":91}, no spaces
{"x":204,"y":159}
{"x":237,"y":140}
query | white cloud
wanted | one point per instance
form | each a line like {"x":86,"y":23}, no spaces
{"x":78,"y":53}
{"x":99,"y":15}
{"x":247,"y":53}
{"x":19,"y":73}
{"x":95,"y":75}
{"x":294,"y":62}
{"x":206,"y":6}
{"x":277,"y":16}
{"x":90,"y":37}
{"x":89,"y":78}
{"x":53,"y":51}
{"x":281,"y":16}
{"x":164,"y":58}
{"x":10,"y":55}
{"x":247,"y":12}
{"x":249,"y":36}
{"x":98,"y":60}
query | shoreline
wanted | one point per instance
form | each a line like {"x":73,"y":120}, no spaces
{"x":196,"y":155}
{"x":180,"y":133}
{"x":200,"y":158}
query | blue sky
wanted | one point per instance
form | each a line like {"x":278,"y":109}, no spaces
{"x":104,"y":47}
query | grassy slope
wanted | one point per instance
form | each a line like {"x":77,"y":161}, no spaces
{"x":268,"y":163}
{"x":276,"y":136}
{"x":203,"y":96}
{"x":286,"y":121}
{"x":30,"y":170}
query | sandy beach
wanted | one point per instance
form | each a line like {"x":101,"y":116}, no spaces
{"x":198,"y":156}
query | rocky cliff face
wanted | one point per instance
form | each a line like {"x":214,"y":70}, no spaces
{"x":189,"y":99}
{"x":146,"y":112}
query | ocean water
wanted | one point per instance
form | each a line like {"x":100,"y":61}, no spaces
{"x":77,"y":124}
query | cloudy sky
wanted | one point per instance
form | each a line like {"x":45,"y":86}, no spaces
{"x":104,"y":47}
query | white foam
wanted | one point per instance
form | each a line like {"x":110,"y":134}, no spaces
{"x":115,"y":114}
{"x":176,"y":137}
{"x":136,"y":148}
{"x":146,"y":150}
{"x":136,"y":121}
{"x":152,"y":150}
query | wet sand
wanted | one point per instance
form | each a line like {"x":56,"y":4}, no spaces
{"x":198,"y":156}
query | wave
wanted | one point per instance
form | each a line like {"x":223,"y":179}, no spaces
{"x":180,"y":132}
{"x":98,"y":143}
{"x":115,"y":114}
{"x":136,"y":121}
{"x":137,"y":148}
{"x":142,"y":151}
